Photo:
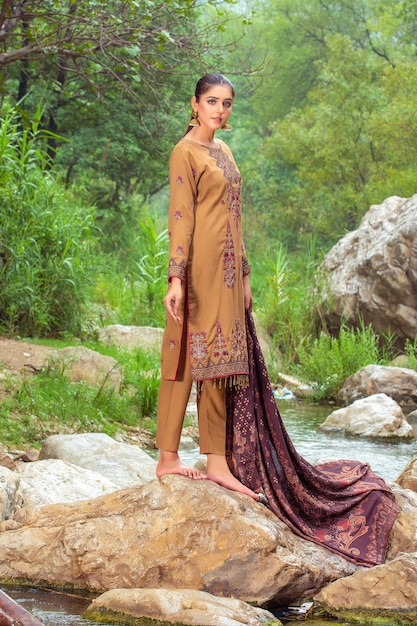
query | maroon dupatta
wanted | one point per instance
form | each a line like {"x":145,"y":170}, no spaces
{"x":341,"y":505}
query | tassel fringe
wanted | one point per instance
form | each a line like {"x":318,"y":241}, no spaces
{"x":239,"y":381}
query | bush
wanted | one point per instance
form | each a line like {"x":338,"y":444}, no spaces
{"x":328,"y":361}
{"x":46,"y":239}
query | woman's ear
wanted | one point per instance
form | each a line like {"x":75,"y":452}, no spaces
{"x":194,"y":103}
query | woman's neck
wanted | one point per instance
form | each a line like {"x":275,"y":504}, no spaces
{"x":205,"y":138}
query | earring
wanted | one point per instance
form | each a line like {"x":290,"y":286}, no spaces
{"x":226,"y":127}
{"x":194,"y":119}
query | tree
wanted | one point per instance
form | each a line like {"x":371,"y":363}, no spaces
{"x":345,"y":137}
{"x":125,"y":40}
{"x":114,"y":78}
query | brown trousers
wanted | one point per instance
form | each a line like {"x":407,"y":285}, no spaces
{"x":172,"y":405}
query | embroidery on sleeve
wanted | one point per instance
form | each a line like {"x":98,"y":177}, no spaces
{"x":176,"y":269}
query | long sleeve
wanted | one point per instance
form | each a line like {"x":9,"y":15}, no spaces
{"x":181,"y":216}
{"x":206,"y":252}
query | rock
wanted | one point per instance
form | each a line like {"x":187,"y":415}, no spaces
{"x":171,"y":533}
{"x":397,"y":382}
{"x":83,"y":364}
{"x":131,"y":337}
{"x":10,"y":496}
{"x":403,"y":536}
{"x":386,"y":591}
{"x":408,"y":477}
{"x":300,"y":389}
{"x":412,"y":420}
{"x":123,"y":464}
{"x":371,"y":273}
{"x":376,"y":416}
{"x":182,"y":606}
{"x":52,"y":481}
{"x":6,"y":460}
{"x":28,"y":456}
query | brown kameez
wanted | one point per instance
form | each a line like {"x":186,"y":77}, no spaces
{"x":207,"y":253}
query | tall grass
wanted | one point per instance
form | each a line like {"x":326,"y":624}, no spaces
{"x":131,"y":290}
{"x":46,"y":239}
{"x":286,"y":301}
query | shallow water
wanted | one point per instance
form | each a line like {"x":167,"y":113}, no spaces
{"x":302,"y":420}
{"x":50,"y":607}
{"x":387,"y":458}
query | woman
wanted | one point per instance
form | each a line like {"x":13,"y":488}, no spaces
{"x":208,"y":292}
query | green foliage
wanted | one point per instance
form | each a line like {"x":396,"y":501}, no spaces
{"x":46,"y":239}
{"x":49,"y":403}
{"x":326,"y":362}
{"x":285,"y":299}
{"x":333,"y":116}
{"x":142,"y":373}
{"x":410,"y":350}
{"x":152,"y":268}
{"x":132,"y":288}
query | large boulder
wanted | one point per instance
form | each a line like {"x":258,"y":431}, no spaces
{"x":371,"y":273}
{"x":82,"y":364}
{"x":184,"y":606}
{"x":397,"y":382}
{"x":387,"y":592}
{"x":377,"y":416}
{"x":171,"y":533}
{"x":131,"y":337}
{"x":123,"y":464}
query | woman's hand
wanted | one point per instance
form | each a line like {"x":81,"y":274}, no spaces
{"x":173,"y":298}
{"x":247,"y":293}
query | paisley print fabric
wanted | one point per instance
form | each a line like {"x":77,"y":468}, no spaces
{"x":341,"y":505}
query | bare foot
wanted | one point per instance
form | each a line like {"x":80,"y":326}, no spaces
{"x":218,"y":471}
{"x":170,"y":463}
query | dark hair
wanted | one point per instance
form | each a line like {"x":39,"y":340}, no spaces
{"x":205,"y":83}
{"x":210,"y":80}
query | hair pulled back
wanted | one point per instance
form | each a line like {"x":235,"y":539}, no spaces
{"x":211,"y":80}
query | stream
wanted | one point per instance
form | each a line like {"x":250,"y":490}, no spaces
{"x":386,"y":458}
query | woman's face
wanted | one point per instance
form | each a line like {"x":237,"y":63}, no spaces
{"x":214,"y":107}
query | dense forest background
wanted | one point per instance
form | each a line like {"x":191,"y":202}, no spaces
{"x":94,"y":96}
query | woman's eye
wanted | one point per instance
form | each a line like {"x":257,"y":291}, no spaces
{"x":211,"y":101}
{"x":228,"y":104}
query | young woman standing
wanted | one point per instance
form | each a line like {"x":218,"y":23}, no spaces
{"x":208,"y":292}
